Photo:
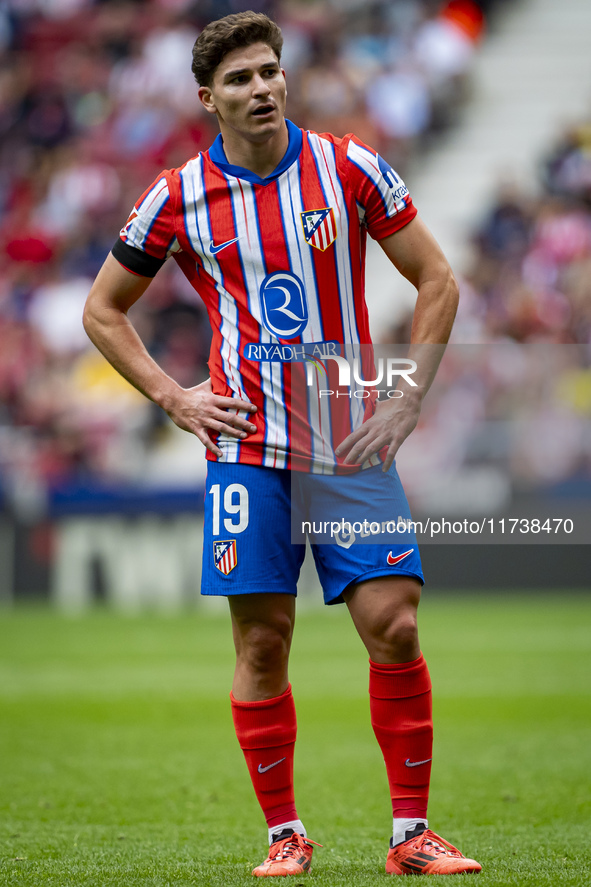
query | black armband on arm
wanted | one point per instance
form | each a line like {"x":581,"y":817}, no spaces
{"x":136,"y":260}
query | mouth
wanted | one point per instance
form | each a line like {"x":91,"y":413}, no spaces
{"x":263,"y":110}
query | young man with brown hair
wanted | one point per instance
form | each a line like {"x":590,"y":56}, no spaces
{"x":269,"y":225}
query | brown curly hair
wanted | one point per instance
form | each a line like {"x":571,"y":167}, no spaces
{"x":234,"y":31}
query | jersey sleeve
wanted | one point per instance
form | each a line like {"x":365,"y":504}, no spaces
{"x":148,"y":237}
{"x":383,"y":200}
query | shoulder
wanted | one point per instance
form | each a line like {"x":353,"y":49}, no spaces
{"x":362,"y":156}
{"x":342,"y":144}
{"x":189,"y":167}
{"x":350,"y":152}
{"x":338,"y":144}
{"x":187,"y":179}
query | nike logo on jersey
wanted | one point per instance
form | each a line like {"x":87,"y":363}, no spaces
{"x":395,"y":560}
{"x":262,"y":769}
{"x":409,"y":763}
{"x":217,"y":249}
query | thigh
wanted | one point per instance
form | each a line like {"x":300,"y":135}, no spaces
{"x":258,"y":615}
{"x":247,"y":545}
{"x":372,"y":535}
{"x":262,"y":628}
{"x":384,"y":612}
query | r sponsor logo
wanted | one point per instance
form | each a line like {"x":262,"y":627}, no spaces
{"x":284,"y":309}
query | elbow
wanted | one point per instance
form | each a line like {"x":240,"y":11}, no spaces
{"x":89,"y":319}
{"x":453,"y":289}
{"x":445,"y":303}
{"x":446,"y":291}
{"x":442,"y":284}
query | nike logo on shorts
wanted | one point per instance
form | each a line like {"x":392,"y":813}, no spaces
{"x":395,"y":560}
{"x":217,"y":249}
{"x":409,"y":763}
{"x":262,"y":769}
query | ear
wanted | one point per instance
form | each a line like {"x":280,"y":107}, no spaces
{"x":206,"y":98}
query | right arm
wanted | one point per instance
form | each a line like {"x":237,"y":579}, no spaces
{"x":195,"y":410}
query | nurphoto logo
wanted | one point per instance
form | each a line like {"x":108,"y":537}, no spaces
{"x":389,"y":370}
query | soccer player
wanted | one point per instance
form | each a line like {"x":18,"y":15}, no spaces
{"x":269,"y":226}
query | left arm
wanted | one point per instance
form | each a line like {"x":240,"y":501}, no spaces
{"x":416,"y":254}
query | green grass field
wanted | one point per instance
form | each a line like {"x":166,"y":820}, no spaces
{"x":119,"y":766}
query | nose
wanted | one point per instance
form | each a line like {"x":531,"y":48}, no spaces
{"x":260,"y":86}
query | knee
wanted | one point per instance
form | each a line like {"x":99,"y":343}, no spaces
{"x":263,"y":648}
{"x":403,"y":635}
{"x":397,"y":639}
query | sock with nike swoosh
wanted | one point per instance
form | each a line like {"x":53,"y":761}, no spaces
{"x":266,"y":732}
{"x":400,"y":706}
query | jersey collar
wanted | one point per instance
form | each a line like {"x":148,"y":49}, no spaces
{"x":218,"y":156}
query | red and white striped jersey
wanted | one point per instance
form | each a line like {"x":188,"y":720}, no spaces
{"x":280,"y":264}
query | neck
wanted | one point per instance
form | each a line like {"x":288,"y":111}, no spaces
{"x":260,"y":158}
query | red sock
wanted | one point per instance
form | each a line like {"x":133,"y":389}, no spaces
{"x":400,"y":705}
{"x":266,"y":732}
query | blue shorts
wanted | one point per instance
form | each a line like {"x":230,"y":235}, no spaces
{"x":257,"y":520}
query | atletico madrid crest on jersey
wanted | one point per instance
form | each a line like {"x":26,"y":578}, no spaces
{"x":224,"y":556}
{"x":320,"y":228}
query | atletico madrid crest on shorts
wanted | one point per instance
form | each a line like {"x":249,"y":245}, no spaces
{"x":320,"y":228}
{"x":224,"y":556}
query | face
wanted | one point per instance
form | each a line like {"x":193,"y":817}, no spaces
{"x":247,"y":94}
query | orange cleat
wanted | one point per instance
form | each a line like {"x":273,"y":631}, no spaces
{"x":290,"y":854}
{"x":428,"y":854}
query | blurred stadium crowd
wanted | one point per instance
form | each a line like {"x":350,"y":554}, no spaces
{"x":530,"y":279}
{"x":97,"y":97}
{"x":515,"y":412}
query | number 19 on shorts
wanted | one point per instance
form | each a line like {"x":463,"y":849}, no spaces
{"x":233,"y":503}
